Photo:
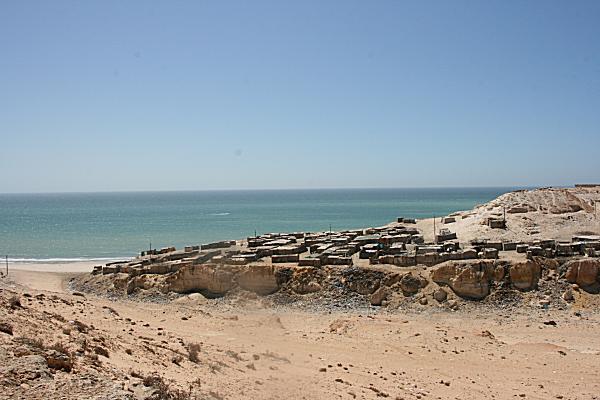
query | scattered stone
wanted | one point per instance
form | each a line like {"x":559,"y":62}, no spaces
{"x":27,"y":368}
{"x":101,"y":351}
{"x":488,"y":334}
{"x":568,"y":295}
{"x":14,"y":302}
{"x":410,"y":284}
{"x":544,"y":303}
{"x":57,"y":360}
{"x":7,"y":328}
{"x":440,"y":295}
{"x":453,"y":304}
{"x":379,"y":296}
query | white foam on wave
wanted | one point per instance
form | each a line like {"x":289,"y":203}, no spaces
{"x":220,"y":214}
{"x":65,"y":260}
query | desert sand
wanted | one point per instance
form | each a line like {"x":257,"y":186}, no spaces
{"x":249,"y":351}
{"x":72,"y":345}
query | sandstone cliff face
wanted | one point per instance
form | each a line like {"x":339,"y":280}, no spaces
{"x":525,"y":275}
{"x":585,"y":273}
{"x":470,"y":280}
{"x":210,"y":280}
{"x":259,"y":279}
{"x":217,"y":280}
{"x":475,"y":279}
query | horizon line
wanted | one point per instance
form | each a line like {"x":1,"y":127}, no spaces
{"x":516,"y":187}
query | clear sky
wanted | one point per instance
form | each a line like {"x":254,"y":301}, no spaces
{"x":149,"y":95}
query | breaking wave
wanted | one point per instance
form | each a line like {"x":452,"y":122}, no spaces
{"x":64,"y":260}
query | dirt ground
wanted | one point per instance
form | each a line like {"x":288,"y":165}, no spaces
{"x":247,"y":350}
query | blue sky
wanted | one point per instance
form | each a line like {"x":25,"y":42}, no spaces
{"x":113,"y":95}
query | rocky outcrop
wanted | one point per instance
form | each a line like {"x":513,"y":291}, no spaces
{"x":391,"y":279}
{"x":474,"y":279}
{"x":304,"y":280}
{"x":379,"y":296}
{"x":410,"y":284}
{"x":525,"y":275}
{"x":585,"y":273}
{"x":141,"y":282}
{"x":470,"y":280}
{"x":58,"y":360}
{"x":27,"y":368}
{"x":306,"y":287}
{"x":362,"y":281}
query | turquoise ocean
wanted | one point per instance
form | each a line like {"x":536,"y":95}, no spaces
{"x":100,"y":226}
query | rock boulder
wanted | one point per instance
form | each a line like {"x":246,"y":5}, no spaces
{"x":58,"y":360}
{"x":306,"y":287}
{"x":525,"y":275}
{"x":410,"y":284}
{"x":440,"y":295}
{"x":584,"y":272}
{"x":468,"y":279}
{"x":379,"y":296}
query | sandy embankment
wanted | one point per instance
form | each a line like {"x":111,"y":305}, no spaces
{"x":250,"y":351}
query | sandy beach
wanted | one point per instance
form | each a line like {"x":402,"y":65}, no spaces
{"x":46,"y":276}
{"x":65,"y":267}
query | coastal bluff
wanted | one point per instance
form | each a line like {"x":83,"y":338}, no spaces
{"x":520,"y":243}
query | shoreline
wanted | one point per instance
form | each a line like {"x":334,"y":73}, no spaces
{"x":55,"y":267}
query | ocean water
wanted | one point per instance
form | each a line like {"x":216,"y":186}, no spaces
{"x":77,"y":226}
